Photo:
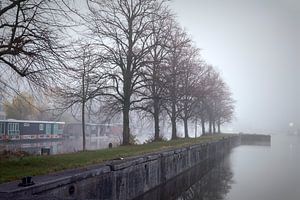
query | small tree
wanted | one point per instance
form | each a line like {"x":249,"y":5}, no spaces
{"x":21,"y":107}
{"x":84,"y":82}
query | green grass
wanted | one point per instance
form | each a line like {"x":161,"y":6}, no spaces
{"x":15,"y":168}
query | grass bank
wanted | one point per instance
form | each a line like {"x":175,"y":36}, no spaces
{"x":14,"y":168}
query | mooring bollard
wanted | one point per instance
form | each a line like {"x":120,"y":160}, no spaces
{"x":45,"y":151}
{"x":26,"y":181}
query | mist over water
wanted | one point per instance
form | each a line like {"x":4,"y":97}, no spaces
{"x":254,"y":172}
{"x":268,"y":173}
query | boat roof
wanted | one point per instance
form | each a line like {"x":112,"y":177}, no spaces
{"x":31,"y":121}
{"x":95,"y":124}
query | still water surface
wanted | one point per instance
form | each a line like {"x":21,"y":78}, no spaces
{"x":253,"y":173}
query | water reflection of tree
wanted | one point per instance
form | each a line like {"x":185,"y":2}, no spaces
{"x":214,"y":186}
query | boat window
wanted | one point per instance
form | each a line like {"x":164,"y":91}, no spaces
{"x":41,"y":127}
{"x":48,"y":128}
{"x":1,"y":129}
{"x":13,"y":129}
{"x":57,"y":129}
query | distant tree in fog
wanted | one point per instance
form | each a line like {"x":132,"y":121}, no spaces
{"x":219,"y":105}
{"x":190,"y":79}
{"x":224,"y":107}
{"x":22,"y":107}
{"x":201,"y":93}
{"x":177,"y":45}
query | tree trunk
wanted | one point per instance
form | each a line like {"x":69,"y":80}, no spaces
{"x":214,"y":127}
{"x":126,"y":131}
{"x":156,"y":127}
{"x":173,"y":121}
{"x":174,"y":131}
{"x":219,"y":127}
{"x":196,"y":127}
{"x":126,"y":105}
{"x":210,"y":127}
{"x":83,"y":109}
{"x":203,"y":126}
{"x":156,"y":120}
{"x":127,"y":88}
{"x":186,"y":129}
{"x":83,"y":125}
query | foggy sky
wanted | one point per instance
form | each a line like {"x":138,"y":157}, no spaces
{"x":256,"y":47}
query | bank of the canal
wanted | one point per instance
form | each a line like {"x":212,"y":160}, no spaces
{"x":15,"y":165}
{"x":130,"y":177}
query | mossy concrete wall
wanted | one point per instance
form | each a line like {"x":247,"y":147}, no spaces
{"x":121,"y":179}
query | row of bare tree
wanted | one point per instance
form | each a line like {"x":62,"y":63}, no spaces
{"x":130,"y":54}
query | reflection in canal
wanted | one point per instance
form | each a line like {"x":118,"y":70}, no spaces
{"x":209,"y":180}
{"x":267,"y":173}
{"x":215,"y":185}
{"x":67,"y":145}
{"x":247,"y":173}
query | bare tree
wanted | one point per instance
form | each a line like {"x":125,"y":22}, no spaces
{"x":153,"y":72}
{"x":223,"y":106}
{"x":84,"y":82}
{"x":201,"y":112}
{"x":218,"y":101}
{"x":214,"y":84}
{"x":178,"y":41}
{"x":202,"y":93}
{"x":123,"y":29}
{"x":190,"y":78}
{"x":30,"y":43}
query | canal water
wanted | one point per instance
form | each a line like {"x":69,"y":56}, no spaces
{"x":247,"y":173}
{"x":254,"y":172}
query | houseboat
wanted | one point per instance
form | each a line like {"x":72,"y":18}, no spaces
{"x":30,"y":130}
{"x":93,"y":130}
